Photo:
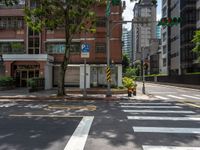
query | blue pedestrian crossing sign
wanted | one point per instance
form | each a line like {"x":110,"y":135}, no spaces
{"x":85,"y":49}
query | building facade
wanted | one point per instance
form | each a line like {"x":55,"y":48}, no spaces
{"x":144,"y":33}
{"x":198,"y":14}
{"x":126,"y":39}
{"x":29,"y":54}
{"x":177,"y":54}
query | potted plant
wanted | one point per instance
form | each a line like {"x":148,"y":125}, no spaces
{"x":129,"y":83}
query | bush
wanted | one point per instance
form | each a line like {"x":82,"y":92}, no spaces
{"x":35,"y":83}
{"x":32,"y":83}
{"x":128,"y":83}
{"x":6,"y":81}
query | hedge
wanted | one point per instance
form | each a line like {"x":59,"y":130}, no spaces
{"x":6,"y":81}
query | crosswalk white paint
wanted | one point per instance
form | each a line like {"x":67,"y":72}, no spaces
{"x":167,"y":130}
{"x":79,"y":137}
{"x":149,"y":147}
{"x":163,"y":118}
{"x":161,"y":97}
{"x":159,"y":111}
{"x":145,"y":103}
{"x":168,"y":107}
{"x":177,"y":97}
{"x":8,"y":105}
{"x":188,"y":96}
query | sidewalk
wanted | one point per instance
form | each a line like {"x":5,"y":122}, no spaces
{"x":72,"y":94}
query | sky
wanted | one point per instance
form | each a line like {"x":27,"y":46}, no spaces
{"x":128,"y":13}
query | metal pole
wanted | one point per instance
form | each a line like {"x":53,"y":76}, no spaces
{"x":108,"y":94}
{"x":84,"y":92}
{"x":143,"y":74}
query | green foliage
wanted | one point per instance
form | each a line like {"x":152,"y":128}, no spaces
{"x":35,"y":83}
{"x":128,"y":82}
{"x":196,"y":41}
{"x":6,"y":81}
{"x":125,"y":62}
{"x":192,"y":73}
{"x":9,"y":2}
{"x":131,"y":72}
{"x":116,"y":2}
{"x":155,"y":75}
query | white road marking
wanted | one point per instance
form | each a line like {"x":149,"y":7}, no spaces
{"x":163,"y":118}
{"x":188,"y":96}
{"x":151,"y":107}
{"x":145,"y":103}
{"x":79,"y":137}
{"x":161,"y":97}
{"x":161,"y":92}
{"x":177,"y":97}
{"x":148,"y":147}
{"x":159,"y":111}
{"x":197,"y":95}
{"x":8,"y":105}
{"x":167,"y":130}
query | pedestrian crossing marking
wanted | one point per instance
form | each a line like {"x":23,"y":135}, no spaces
{"x":163,"y":118}
{"x":188,"y":96}
{"x":160,"y":97}
{"x":177,"y":97}
{"x":146,"y":103}
{"x":169,"y":107}
{"x":159,"y":111}
{"x":148,"y":147}
{"x":166,"y":130}
{"x":7,"y":105}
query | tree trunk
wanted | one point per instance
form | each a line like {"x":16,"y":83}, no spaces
{"x":61,"y":80}
{"x":64,"y":64}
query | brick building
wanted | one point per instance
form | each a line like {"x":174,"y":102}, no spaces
{"x":28,"y":54}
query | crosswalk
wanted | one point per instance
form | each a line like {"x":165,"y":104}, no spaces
{"x":178,"y":97}
{"x":15,"y":104}
{"x":163,"y":120}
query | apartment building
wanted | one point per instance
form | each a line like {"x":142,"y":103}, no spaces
{"x":144,"y":33}
{"x":126,"y":39}
{"x":28,"y":54}
{"x":177,"y":54}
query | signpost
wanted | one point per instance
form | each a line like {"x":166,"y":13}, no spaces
{"x":85,"y":48}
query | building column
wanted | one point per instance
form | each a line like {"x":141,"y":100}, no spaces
{"x":82,"y":76}
{"x":119,"y":77}
{"x":48,"y":71}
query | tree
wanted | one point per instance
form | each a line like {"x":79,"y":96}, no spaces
{"x":74,"y":16}
{"x":125,"y":62}
{"x":196,"y":41}
{"x":9,"y":2}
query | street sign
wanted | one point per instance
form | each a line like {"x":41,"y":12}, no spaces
{"x":85,"y":48}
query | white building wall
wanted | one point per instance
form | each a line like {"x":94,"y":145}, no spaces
{"x":48,"y":76}
{"x":82,"y":76}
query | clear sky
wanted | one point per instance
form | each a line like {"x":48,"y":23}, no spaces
{"x":128,"y":13}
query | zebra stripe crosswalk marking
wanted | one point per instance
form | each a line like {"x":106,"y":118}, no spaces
{"x":166,"y":130}
{"x":149,"y":147}
{"x":159,"y":111}
{"x":169,"y":107}
{"x":177,"y":97}
{"x":145,"y":103}
{"x":161,"y":97}
{"x":163,"y":118}
{"x":188,"y":96}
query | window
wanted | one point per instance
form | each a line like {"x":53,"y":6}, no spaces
{"x":101,"y":22}
{"x":164,"y":62}
{"x":11,"y":22}
{"x":59,"y":48}
{"x":164,"y":49}
{"x":12,"y":48}
{"x":100,"y":47}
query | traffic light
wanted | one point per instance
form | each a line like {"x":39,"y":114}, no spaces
{"x":116,"y":2}
{"x":169,"y":21}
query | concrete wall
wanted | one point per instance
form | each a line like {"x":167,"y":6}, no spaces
{"x":48,"y":76}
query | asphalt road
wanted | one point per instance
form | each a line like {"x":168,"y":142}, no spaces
{"x":159,"y":124}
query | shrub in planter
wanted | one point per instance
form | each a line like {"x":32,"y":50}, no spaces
{"x":32,"y":83}
{"x":6,"y":81}
{"x":130,"y":84}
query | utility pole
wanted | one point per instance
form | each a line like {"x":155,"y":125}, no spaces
{"x":108,"y":9}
